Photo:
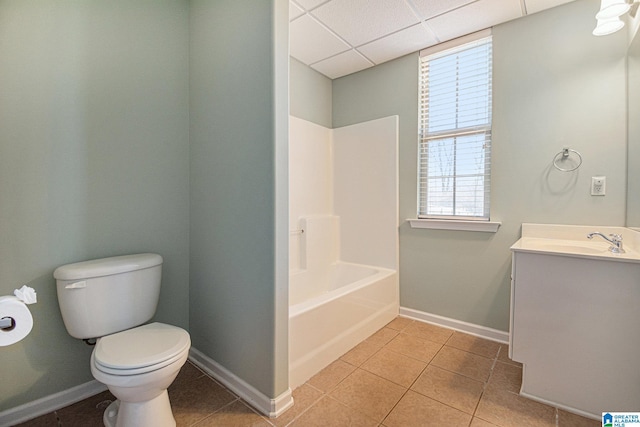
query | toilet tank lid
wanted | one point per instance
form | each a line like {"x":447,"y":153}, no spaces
{"x":106,"y":266}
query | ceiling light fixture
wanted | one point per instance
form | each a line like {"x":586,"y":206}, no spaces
{"x":608,"y":26}
{"x":609,"y":15}
{"x":612,"y":9}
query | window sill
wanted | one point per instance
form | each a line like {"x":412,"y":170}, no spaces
{"x":454,"y":224}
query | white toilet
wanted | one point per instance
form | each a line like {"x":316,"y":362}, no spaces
{"x":107,"y":300}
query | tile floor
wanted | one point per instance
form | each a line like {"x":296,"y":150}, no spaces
{"x":407,"y":374}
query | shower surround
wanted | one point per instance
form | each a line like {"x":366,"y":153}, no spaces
{"x":343,"y":220}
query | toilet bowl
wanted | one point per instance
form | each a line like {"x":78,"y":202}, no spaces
{"x":137,"y":366}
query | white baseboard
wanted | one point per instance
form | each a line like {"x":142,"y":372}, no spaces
{"x":266,"y":405}
{"x":50,"y":403}
{"x":458,"y":325}
{"x":562,"y":406}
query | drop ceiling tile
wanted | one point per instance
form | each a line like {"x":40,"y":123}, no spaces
{"x":294,"y":11}
{"x":534,"y":6}
{"x":398,"y":44}
{"x":430,"y":8}
{"x":310,"y":42}
{"x":362,"y":21}
{"x":340,"y":65}
{"x":310,"y":4}
{"x":474,"y":17}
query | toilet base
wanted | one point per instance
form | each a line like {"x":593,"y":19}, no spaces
{"x":111,"y":414}
{"x":155,"y":412}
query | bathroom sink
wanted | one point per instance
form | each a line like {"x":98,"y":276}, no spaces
{"x":572,"y":241}
{"x":570,"y":246}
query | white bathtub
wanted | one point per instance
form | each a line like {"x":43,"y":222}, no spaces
{"x":331,"y":311}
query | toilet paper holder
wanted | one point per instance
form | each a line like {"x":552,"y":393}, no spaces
{"x":7,"y":323}
{"x":25,"y":294}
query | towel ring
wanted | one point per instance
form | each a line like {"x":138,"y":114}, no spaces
{"x":564,"y":155}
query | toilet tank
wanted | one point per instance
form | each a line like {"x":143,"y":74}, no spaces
{"x":108,"y":295}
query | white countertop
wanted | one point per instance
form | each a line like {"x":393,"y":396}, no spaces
{"x":572,"y":241}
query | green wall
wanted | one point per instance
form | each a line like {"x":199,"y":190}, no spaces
{"x":310,"y":94}
{"x":94,"y":162}
{"x":554,"y":86}
{"x":238,"y":294}
{"x":110,"y":127}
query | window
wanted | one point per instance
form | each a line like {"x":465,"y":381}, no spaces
{"x":455,"y":132}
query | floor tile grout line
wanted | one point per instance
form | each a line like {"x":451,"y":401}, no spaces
{"x":423,"y":369}
{"x":365,"y":360}
{"x":327,"y":395}
{"x":353,"y":409}
{"x":394,"y":406}
{"x":458,"y":373}
{"x":236,"y":398}
{"x":360,"y":367}
{"x":430,"y":398}
{"x":486,"y":383}
{"x":255,"y":411}
{"x":417,"y":392}
{"x":447,"y":404}
{"x":426,"y":339}
{"x":415,"y":358}
{"x":209,"y":415}
{"x":393,"y":382}
{"x":295,"y":418}
{"x":316,"y":388}
{"x":473,"y":352}
{"x":202,"y":373}
{"x":328,"y":392}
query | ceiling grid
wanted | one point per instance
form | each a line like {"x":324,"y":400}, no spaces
{"x":340,"y":37}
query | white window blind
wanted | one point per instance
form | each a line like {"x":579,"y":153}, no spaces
{"x":455,"y":132}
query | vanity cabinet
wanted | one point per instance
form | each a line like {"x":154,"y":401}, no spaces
{"x":575,"y":327}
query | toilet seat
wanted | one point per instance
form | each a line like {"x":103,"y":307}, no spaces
{"x":139,"y":350}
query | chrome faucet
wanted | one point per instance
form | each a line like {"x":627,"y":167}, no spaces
{"x":615,"y":240}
